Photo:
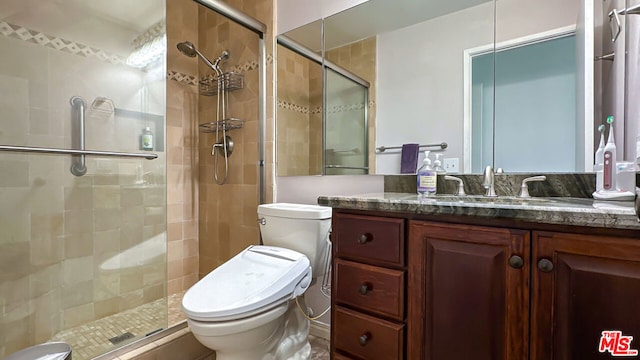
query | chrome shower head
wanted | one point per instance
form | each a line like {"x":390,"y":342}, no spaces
{"x":190,"y":50}
{"x":187,"y":48}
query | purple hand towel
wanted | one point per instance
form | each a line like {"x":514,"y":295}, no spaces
{"x":409,"y":159}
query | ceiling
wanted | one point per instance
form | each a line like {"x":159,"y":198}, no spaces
{"x":375,"y":17}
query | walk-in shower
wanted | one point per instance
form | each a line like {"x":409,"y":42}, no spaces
{"x":77,"y":189}
{"x":98,"y":257}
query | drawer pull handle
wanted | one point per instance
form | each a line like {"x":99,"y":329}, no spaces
{"x":364,"y":288}
{"x":364,"y":238}
{"x":545,"y":265}
{"x":364,"y":338}
{"x":516,"y":262}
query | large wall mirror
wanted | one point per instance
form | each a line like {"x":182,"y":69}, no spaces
{"x":517,"y":84}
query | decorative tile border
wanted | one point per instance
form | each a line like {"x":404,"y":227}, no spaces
{"x":57,"y":43}
{"x":298,"y":108}
{"x":150,"y":34}
{"x":184,"y":79}
{"x":335,"y":109}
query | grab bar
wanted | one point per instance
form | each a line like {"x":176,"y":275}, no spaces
{"x":442,"y":146}
{"x":346,"y":167}
{"x":78,"y":166}
{"x":35,"y":149}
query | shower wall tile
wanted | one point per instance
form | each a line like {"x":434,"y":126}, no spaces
{"x":46,"y":249}
{"x":44,"y":280}
{"x":77,"y":315}
{"x":78,"y":245}
{"x":77,"y":293}
{"x":182,"y":143}
{"x":131,"y":281}
{"x":14,"y":174}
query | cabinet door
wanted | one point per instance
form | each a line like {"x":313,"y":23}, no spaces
{"x":468,"y":292}
{"x":584,"y":286}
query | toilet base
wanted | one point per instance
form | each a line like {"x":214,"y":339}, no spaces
{"x":286,"y":338}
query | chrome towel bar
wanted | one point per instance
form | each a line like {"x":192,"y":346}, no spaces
{"x":442,"y":146}
{"x":34,"y":149}
{"x":346,"y":167}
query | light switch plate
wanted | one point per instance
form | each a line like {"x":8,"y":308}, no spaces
{"x":452,"y":165}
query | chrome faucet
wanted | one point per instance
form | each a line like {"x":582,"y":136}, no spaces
{"x":488,"y":182}
{"x":524,"y":188}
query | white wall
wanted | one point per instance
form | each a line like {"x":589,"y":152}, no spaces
{"x":420,"y":71}
{"x":307,"y":189}
{"x":291,"y":14}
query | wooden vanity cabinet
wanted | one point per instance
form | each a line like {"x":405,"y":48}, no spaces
{"x":468,"y":292}
{"x":456,"y":292}
{"x":583,"y":285}
{"x":368,"y":287}
{"x":471,"y":298}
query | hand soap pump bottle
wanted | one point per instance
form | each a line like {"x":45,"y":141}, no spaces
{"x":609,"y":163}
{"x":437,"y":165}
{"x":427,"y":177}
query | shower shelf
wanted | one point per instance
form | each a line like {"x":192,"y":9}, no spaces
{"x":231,"y":81}
{"x":226,"y":124}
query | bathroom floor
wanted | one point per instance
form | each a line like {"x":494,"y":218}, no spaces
{"x":92,"y":339}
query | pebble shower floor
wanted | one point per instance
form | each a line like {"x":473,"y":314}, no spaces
{"x":92,"y":339}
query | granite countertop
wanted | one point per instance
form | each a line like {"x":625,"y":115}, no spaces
{"x":548,"y":210}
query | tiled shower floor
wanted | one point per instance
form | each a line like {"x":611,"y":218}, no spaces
{"x":92,"y":339}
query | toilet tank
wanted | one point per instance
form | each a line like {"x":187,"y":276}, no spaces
{"x":299,"y":227}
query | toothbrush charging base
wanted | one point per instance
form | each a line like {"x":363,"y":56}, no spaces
{"x":617,"y":195}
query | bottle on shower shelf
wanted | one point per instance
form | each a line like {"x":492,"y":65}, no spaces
{"x":146,"y":139}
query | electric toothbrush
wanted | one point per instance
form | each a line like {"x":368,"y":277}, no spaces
{"x":609,"y":189}
{"x":600,"y":159}
{"x":609,"y":164}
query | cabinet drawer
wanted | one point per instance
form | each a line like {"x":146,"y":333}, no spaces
{"x":341,"y":357}
{"x":367,"y":337}
{"x":371,"y":239}
{"x":370,"y":288}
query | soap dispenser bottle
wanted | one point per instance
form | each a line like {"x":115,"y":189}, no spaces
{"x":437,"y":165}
{"x":609,"y":163}
{"x":427,"y":177}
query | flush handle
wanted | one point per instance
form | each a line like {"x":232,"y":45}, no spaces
{"x":364,"y":338}
{"x":364,"y":238}
{"x":364,"y":288}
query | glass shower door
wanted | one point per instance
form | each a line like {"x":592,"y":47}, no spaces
{"x":345,"y":126}
{"x":82,"y":252}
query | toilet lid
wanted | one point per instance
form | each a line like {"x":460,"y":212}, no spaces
{"x":253,"y":281}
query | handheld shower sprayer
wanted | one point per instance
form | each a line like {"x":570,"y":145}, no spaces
{"x":224,"y":144}
{"x":190,"y":50}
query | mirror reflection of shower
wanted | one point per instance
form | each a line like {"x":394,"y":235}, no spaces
{"x":224,"y":143}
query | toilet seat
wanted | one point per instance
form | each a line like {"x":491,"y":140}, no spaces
{"x":257,"y":279}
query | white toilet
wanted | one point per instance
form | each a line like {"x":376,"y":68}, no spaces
{"x":246,"y":308}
